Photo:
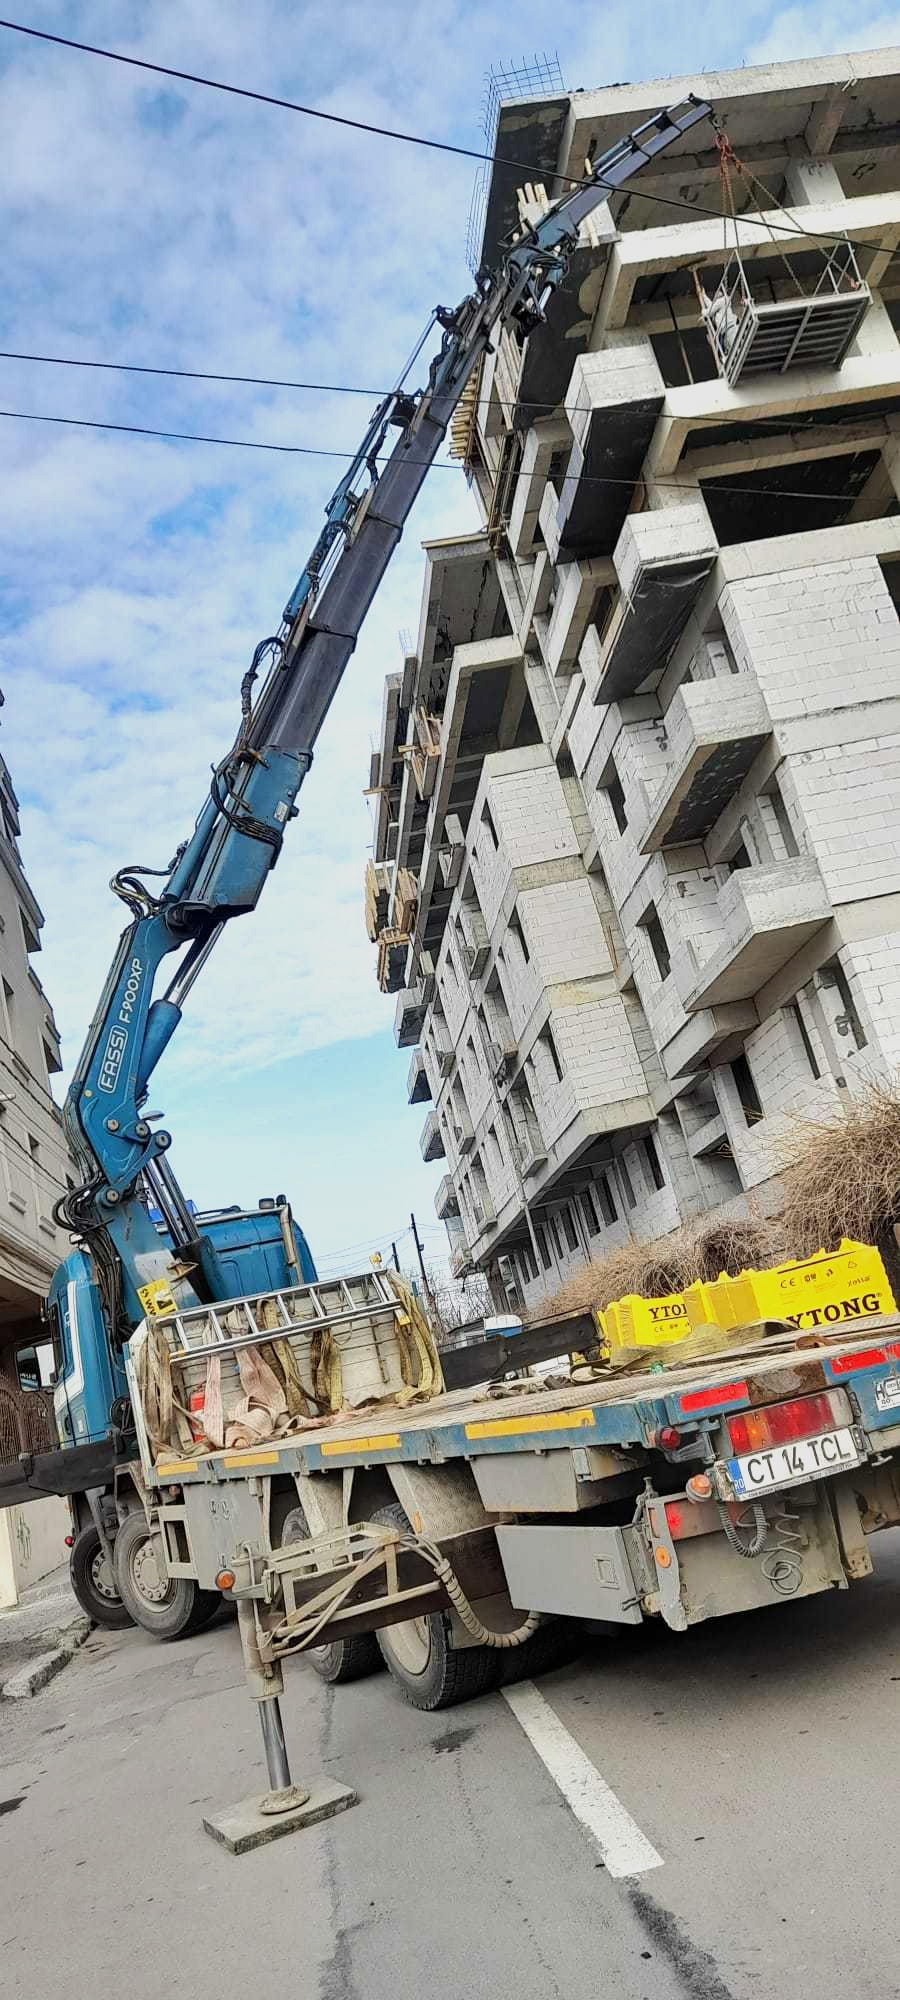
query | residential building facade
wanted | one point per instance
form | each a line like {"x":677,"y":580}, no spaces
{"x":34,"y":1167}
{"x":636,"y":867}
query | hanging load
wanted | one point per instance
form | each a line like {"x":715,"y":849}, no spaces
{"x":813,"y":328}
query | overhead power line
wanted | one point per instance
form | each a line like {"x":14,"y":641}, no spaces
{"x":790,"y":422}
{"x":258,"y":96}
{"x":191,"y":374}
{"x":392,"y":132}
{"x":441,"y":465}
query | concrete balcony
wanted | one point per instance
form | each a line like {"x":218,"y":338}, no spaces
{"x":431,"y":1141}
{"x":460,"y":1260}
{"x":577,"y":584}
{"x":661,"y":560}
{"x":767,"y":915}
{"x":613,"y":403}
{"x":483,"y":1211}
{"x":446,"y":1200}
{"x":418,"y":1088}
{"x":462,"y":1131}
{"x":715,"y":729}
{"x":691,"y":1045}
{"x":409,"y":1016}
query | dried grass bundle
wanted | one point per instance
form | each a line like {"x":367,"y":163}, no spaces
{"x":668,"y":1264}
{"x":842,"y":1177}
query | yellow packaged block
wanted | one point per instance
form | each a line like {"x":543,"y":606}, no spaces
{"x":825,"y":1290}
{"x":637,"y":1322}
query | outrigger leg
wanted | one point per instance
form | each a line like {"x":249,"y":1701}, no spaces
{"x":285,"y":1807}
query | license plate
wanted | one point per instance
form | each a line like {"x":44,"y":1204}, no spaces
{"x":887,"y":1393}
{"x":786,"y":1464}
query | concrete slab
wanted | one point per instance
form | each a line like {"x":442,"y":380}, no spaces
{"x":30,"y":1679}
{"x":244,"y":1826}
{"x":47,"y":1622}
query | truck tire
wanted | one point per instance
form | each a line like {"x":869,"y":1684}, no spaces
{"x":167,"y":1608}
{"x":345,"y":1659}
{"x":93,"y":1582}
{"x":552,"y":1645}
{"x":430,"y":1672}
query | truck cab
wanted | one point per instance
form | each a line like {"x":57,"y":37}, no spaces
{"x":260,"y":1249}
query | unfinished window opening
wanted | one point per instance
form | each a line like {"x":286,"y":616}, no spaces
{"x":555,"y":1226}
{"x":775,"y":798}
{"x":847,"y":1021}
{"x":603,"y":604}
{"x":29,"y":934}
{"x":656,"y":939}
{"x":890,"y":570}
{"x":611,"y":784}
{"x":549,"y":1046}
{"x":540,"y":1237}
{"x":604,"y":1201}
{"x":652,"y":1161}
{"x":626,"y":1183}
{"x":514,"y":930}
{"x":795,"y":1013}
{"x":556,"y":470}
{"x":739,"y":858}
{"x":720,"y":656}
{"x":746,"y":1090}
{"x":571,"y":1232}
{"x":799,"y":498}
{"x":528,"y":1269}
{"x":487,"y":821}
{"x":683,"y":356}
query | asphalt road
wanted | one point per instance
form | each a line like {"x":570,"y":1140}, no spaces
{"x":757,"y":1758}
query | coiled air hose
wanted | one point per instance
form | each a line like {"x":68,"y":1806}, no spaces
{"x":483,"y":1634}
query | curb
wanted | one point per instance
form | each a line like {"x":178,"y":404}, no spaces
{"x":36,"y":1674}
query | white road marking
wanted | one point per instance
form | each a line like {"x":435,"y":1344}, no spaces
{"x":625,"y":1849}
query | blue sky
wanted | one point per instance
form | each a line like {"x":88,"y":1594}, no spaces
{"x":173,"y":226}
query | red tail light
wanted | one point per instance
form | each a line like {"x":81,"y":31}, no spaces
{"x":779,"y":1423}
{"x":69,"y":1541}
{"x":668,"y":1438}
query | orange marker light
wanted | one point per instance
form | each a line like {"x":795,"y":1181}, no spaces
{"x":663,"y":1558}
{"x":699,"y":1486}
{"x":225,"y":1579}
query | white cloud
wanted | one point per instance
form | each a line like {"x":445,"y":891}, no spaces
{"x":818,"y":31}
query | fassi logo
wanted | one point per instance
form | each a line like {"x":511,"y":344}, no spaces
{"x":132,"y":989}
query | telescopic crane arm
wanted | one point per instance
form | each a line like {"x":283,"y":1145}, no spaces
{"x":219,"y":872}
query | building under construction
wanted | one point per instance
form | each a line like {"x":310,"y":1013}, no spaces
{"x":636,"y":869}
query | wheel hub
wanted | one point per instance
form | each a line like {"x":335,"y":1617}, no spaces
{"x":102,"y":1577}
{"x":149,"y":1579}
{"x":410,"y":1644}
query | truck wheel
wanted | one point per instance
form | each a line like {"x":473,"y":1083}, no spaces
{"x":418,"y":1655}
{"x":166,"y":1607}
{"x":552,"y":1645}
{"x":345,"y":1659}
{"x":93,"y":1582}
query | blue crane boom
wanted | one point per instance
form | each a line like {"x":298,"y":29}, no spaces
{"x":219,"y":871}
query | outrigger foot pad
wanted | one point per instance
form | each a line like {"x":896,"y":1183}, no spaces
{"x":255,"y":1821}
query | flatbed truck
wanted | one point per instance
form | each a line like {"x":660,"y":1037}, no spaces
{"x":469,"y":1530}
